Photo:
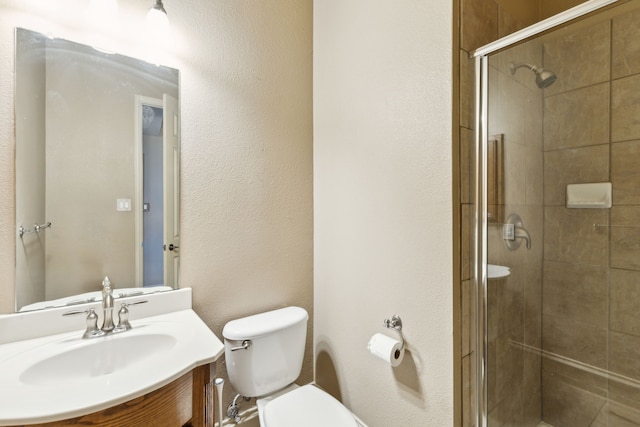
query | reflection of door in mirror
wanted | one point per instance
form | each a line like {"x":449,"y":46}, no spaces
{"x":76,"y":168}
{"x":157,"y":172}
{"x":171,"y":186}
{"x":150,"y":273}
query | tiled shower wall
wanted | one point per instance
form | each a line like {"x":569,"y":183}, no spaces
{"x":591,"y":287}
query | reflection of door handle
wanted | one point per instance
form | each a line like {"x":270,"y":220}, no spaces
{"x":171,"y":247}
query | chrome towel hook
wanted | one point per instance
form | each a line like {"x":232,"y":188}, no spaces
{"x":36,"y":229}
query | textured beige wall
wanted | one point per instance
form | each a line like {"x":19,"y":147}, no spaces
{"x":246,"y":142}
{"x":382,"y":195}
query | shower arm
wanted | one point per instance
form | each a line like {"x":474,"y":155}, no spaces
{"x":513,"y":67}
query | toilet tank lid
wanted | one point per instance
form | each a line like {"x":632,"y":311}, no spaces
{"x":262,"y":324}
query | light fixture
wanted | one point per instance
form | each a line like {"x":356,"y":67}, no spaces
{"x":157,"y":19}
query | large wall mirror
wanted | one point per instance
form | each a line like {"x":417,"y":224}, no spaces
{"x":97,"y":173}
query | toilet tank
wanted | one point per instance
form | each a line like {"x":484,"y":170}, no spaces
{"x":274,"y":358}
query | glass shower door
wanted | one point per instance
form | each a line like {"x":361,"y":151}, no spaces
{"x":514,"y":235}
{"x":559,"y":184}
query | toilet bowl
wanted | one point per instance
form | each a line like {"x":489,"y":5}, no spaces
{"x":264,"y":355}
{"x":307,"y":406}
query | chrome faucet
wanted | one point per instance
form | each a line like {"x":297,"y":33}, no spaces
{"x":107,"y":305}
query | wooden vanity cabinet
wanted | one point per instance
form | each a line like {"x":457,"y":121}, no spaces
{"x":186,"y":402}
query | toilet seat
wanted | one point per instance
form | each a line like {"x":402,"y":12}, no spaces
{"x":308,"y":406}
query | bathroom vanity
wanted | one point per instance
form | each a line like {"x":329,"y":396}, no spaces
{"x":180,"y":403}
{"x":155,"y":374}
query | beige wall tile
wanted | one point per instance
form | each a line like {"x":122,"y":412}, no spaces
{"x":619,"y":415}
{"x":532,"y":368}
{"x":493,"y":317}
{"x":626,"y":44}
{"x":625,"y":237}
{"x":532,"y":408}
{"x":579,"y":58}
{"x":579,"y":341}
{"x":526,"y":12}
{"x":492,"y":368}
{"x":551,"y":7}
{"x":467,"y":414}
{"x":625,"y":294}
{"x":576,"y":375}
{"x":614,"y":414}
{"x":627,"y":396}
{"x":623,"y":355}
{"x":467,"y":165}
{"x":577,"y":118}
{"x":515,"y":173}
{"x":509,"y":118}
{"x":571,"y":166}
{"x":467,"y":312}
{"x":577,"y":292}
{"x":625,"y":108}
{"x":569,"y":236}
{"x":510,"y":411}
{"x":467,"y":84}
{"x":479,"y":23}
{"x":533,"y":305}
{"x":568,"y":406}
{"x":625,"y":174}
{"x":534,"y":119}
{"x":467,"y":241}
{"x":509,"y":374}
{"x":510,"y":299}
{"x":507,"y":24}
{"x":509,"y":384}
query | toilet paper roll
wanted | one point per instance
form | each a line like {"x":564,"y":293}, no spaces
{"x":386,"y":348}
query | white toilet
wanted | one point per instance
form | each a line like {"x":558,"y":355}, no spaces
{"x":264,"y":355}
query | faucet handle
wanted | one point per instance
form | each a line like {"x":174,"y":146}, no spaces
{"x":123,"y":316}
{"x":92,"y":322}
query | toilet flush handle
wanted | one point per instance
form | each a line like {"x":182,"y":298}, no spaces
{"x":245,"y":346}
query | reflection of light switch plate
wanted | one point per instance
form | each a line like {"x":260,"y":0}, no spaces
{"x":123,"y":205}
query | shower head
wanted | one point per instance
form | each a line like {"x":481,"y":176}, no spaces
{"x":544,"y":78}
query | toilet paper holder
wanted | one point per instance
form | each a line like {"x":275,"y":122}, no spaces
{"x":395,"y":323}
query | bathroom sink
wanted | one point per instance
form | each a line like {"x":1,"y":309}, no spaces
{"x":61,"y":376}
{"x":96,"y":357}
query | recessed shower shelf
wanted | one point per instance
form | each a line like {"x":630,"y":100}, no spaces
{"x":594,"y":195}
